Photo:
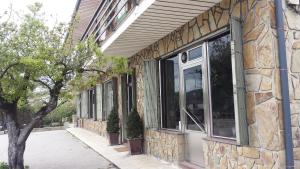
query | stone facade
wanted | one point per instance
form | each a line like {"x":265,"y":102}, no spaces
{"x":165,"y":145}
{"x":261,"y":69}
{"x":263,"y":94}
{"x":98,"y":127}
{"x":292,"y":30}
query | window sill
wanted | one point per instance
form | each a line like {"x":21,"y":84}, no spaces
{"x":174,"y":132}
{"x":221,"y":140}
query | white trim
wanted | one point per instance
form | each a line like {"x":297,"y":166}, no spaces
{"x":138,"y":10}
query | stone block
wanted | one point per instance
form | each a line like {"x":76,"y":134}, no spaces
{"x":249,"y":22}
{"x":254,"y":33}
{"x":267,"y":125}
{"x":249,"y":53}
{"x":297,"y":153}
{"x":262,"y":97}
{"x":266,"y":84}
{"x":267,"y":158}
{"x":250,"y":152}
{"x":296,"y":45}
{"x":253,"y":82}
{"x":291,"y":18}
{"x":224,"y":20}
{"x":253,"y":136}
{"x":277,"y":84}
{"x":236,"y":10}
{"x":295,"y":68}
{"x":265,"y":48}
{"x":250,"y":104}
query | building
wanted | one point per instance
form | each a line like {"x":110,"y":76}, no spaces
{"x":209,"y":78}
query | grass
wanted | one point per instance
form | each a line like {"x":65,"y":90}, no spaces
{"x":4,"y":165}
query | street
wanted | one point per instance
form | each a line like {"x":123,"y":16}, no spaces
{"x":57,"y":150}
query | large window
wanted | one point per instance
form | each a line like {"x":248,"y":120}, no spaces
{"x":130,"y":92}
{"x":91,"y":102}
{"x":170,"y":93}
{"x":107,"y":99}
{"x":222,"y":102}
{"x":198,"y":89}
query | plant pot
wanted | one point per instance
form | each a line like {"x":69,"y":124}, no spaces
{"x":135,"y":146}
{"x":113,"y":138}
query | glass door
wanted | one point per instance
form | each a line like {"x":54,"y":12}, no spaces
{"x":192,"y":104}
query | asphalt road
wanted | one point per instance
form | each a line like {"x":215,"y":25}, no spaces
{"x":57,"y":150}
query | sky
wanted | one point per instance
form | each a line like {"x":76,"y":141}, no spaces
{"x":55,"y":10}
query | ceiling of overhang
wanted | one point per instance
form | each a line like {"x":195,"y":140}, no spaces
{"x":158,"y":20}
{"x":84,"y":12}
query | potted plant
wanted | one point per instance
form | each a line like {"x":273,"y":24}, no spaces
{"x":113,"y":128}
{"x":135,"y":132}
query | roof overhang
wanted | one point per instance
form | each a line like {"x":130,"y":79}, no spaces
{"x":83,"y":13}
{"x":150,"y":21}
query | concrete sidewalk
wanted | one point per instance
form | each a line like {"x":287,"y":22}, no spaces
{"x":121,"y":159}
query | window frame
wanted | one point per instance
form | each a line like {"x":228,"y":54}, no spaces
{"x":130,"y":85}
{"x":162,"y":93}
{"x":210,"y":127}
{"x":92,"y":103}
{"x":104,"y":100}
{"x":210,"y":136}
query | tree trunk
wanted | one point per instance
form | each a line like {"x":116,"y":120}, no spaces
{"x":15,"y":148}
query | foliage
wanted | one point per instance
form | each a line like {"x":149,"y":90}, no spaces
{"x":35,"y":58}
{"x":3,"y":165}
{"x":39,"y":64}
{"x":113,"y":122}
{"x":134,"y":125}
{"x":65,"y":110}
{"x":42,"y":64}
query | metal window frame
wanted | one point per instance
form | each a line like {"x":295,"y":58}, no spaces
{"x":206,"y":83}
{"x":182,"y":68}
{"x":161,"y":100}
{"x":104,"y":99}
{"x":216,"y":137}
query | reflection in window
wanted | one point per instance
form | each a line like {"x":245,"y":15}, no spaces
{"x":170,"y":93}
{"x":221,"y":87}
{"x":130,"y":96}
{"x":91,"y":102}
{"x":195,"y":53}
{"x":107,"y":99}
{"x":194,"y":98}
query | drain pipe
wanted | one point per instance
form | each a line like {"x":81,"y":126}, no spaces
{"x":289,"y":159}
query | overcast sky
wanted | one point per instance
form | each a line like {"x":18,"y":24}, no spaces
{"x":55,"y":10}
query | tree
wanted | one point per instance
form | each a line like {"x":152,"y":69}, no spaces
{"x":34,"y":59}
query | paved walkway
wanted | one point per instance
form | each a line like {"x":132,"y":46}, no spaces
{"x":121,"y":159}
{"x":57,"y":150}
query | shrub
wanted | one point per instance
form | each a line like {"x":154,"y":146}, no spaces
{"x":3,"y":165}
{"x":113,"y":122}
{"x":134,"y":125}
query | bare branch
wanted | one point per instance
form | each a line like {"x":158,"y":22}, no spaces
{"x":93,"y":70}
{"x":42,"y":83}
{"x":6,"y":69}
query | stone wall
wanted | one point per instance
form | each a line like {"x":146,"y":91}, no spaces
{"x":261,"y":69}
{"x":98,"y":127}
{"x":292,"y":30}
{"x":221,"y":155}
{"x":165,"y":145}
